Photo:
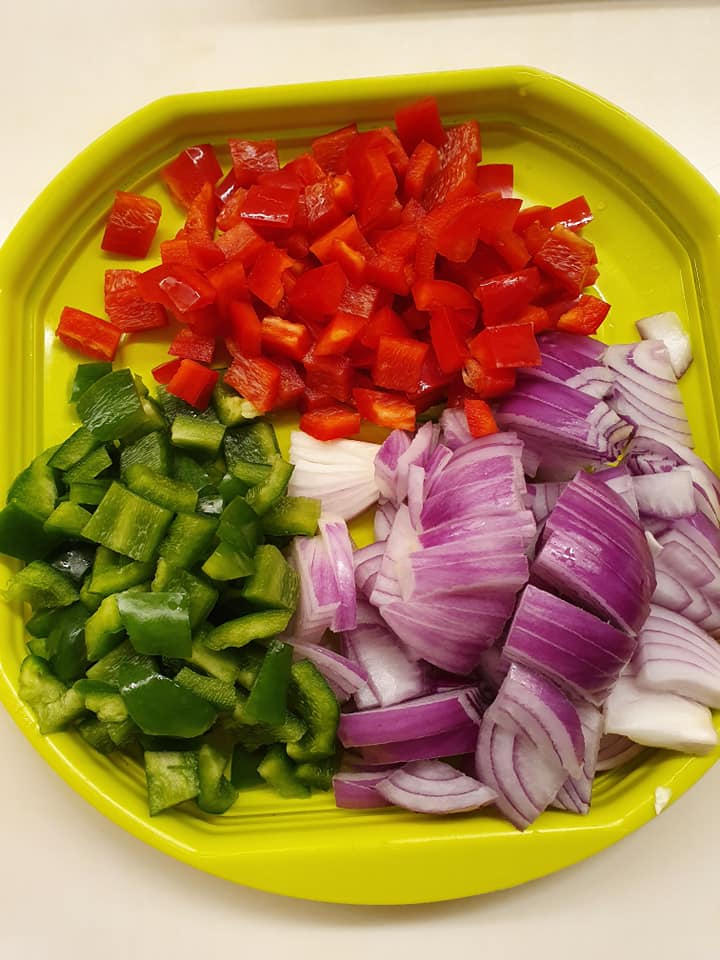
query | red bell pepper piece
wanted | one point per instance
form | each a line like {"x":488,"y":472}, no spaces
{"x":329,"y":375}
{"x":362,"y":301}
{"x":291,"y":386}
{"x":399,"y":241}
{"x":241,"y":242}
{"x":325,"y":206}
{"x":476,"y":218}
{"x":256,"y":379}
{"x":538,"y":317}
{"x":245,"y":329}
{"x":383,"y":323}
{"x":534,"y":236}
{"x":510,"y":345}
{"x":415,"y":319}
{"x":567,"y":258}
{"x":318,"y":292}
{"x":164,"y":372}
{"x":204,"y":253}
{"x":193,"y":383}
{"x":459,"y":158}
{"x":390,"y":410}
{"x":572,"y":214}
{"x":131,"y":225}
{"x":424,"y":164}
{"x":329,"y":150}
{"x":352,"y":262}
{"x":434,"y":384}
{"x":314,"y":400}
{"x":88,"y":334}
{"x":512,"y":249}
{"x":585,"y":317}
{"x":339,"y":334}
{"x":200,"y":219}
{"x":207,"y":322}
{"x":305,"y":168}
{"x":226,"y":189}
{"x":285,"y":337}
{"x":398,"y":363}
{"x":389,"y":272}
{"x":482,"y":265}
{"x":124,"y":306}
{"x":331,"y":423}
{"x":266,"y":276}
{"x":347,"y":231}
{"x":191,"y":345}
{"x":504,"y":297}
{"x":495,"y":178}
{"x":252,"y":158}
{"x":420,"y":121}
{"x":229,"y":214}
{"x":395,"y":151}
{"x":230,"y":282}
{"x":529,"y":215}
{"x":189,"y":171}
{"x":433,"y":294}
{"x":486,"y":382}
{"x":448,"y":341}
{"x":480,"y":419}
{"x":177,"y":287}
{"x":176,"y":250}
{"x":374,"y":179}
{"x":271,"y":208}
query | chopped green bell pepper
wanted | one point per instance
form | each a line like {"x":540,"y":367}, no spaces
{"x":157,"y":623}
{"x":189,"y":540}
{"x":202,"y":596}
{"x":202,"y":437}
{"x":128,"y":524}
{"x":278,"y":771}
{"x":172,"y":494}
{"x":267,"y":701}
{"x":152,"y":450}
{"x":227,"y":563}
{"x":86,"y":375}
{"x":311,"y":697}
{"x":217,"y":794}
{"x":163,"y":708}
{"x":66,"y":643}
{"x":253,"y":626}
{"x":254,"y":443}
{"x":111,"y":407}
{"x":55,"y":705}
{"x":172,"y":778}
{"x":292,"y":517}
{"x":112,"y":572}
{"x":262,"y":497}
{"x":240,"y":526}
{"x":89,"y":492}
{"x":244,"y":767}
{"x":217,"y":692}
{"x":77,"y":446}
{"x":67,"y":519}
{"x":90,"y":467}
{"x":41,"y":585}
{"x":274,"y":583}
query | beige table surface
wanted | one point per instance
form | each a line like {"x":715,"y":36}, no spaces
{"x":72,"y":884}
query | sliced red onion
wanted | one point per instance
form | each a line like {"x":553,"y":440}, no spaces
{"x":659,"y":719}
{"x":491,"y":526}
{"x":400,"y":544}
{"x":525,"y":781}
{"x":337,"y":542}
{"x":339,"y":473}
{"x":675,"y":656}
{"x":343,"y":675}
{"x":398,"y":454}
{"x":415,"y":493}
{"x":565,"y":364}
{"x":580,"y":652}
{"x":431,"y":786}
{"x":688,"y":573}
{"x":575,"y":793}
{"x":668,"y":328}
{"x":450,"y":569}
{"x":594,"y":552}
{"x":529,"y":704}
{"x":386,"y":462}
{"x":543,"y":497}
{"x":424,"y":717}
{"x":595,"y":382}
{"x":570,"y":347}
{"x":455,"y":431}
{"x":497,"y":495}
{"x":318,"y":599}
{"x":615,"y":751}
{"x":452,"y":743}
{"x":493,"y":667}
{"x":358,"y":790}
{"x":367,"y":562}
{"x":651,"y":451}
{"x":393,"y":676}
{"x":384,"y":516}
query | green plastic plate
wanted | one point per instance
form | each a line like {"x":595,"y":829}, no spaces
{"x":656,"y":229}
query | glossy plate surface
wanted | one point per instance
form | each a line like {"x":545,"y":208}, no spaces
{"x":657,"y":233}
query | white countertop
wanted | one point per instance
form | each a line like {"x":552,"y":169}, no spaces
{"x":72,"y":884}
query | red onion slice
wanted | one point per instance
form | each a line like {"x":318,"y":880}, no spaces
{"x":668,"y":328}
{"x":574,"y":796}
{"x":452,"y":743}
{"x":615,"y":751}
{"x":431,"y":786}
{"x":358,"y":790}
{"x":318,"y":598}
{"x":336,"y":539}
{"x":455,"y":431}
{"x":343,"y":675}
{"x":339,"y":473}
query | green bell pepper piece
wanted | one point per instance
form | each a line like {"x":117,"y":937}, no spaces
{"x":231,"y":408}
{"x":55,"y":705}
{"x":278,"y":771}
{"x":128,"y":524}
{"x":38,"y":647}
{"x":253,"y":626}
{"x":172,"y":778}
{"x":95,"y":733}
{"x":103,"y":629}
{"x":189,"y":540}
{"x":171,"y":494}
{"x":217,"y":794}
{"x":173,"y":406}
{"x":163,"y":708}
{"x":244,"y":767}
{"x":102,"y":699}
{"x":113,"y":572}
{"x":89,"y":492}
{"x":240,"y":526}
{"x":217,"y":692}
{"x":77,"y":446}
{"x":254,"y":443}
{"x":318,"y":773}
{"x":227,"y":563}
{"x":152,"y":450}
{"x":262,"y":497}
{"x":111,"y":407}
{"x":67,"y":519}
{"x":30,"y":501}
{"x":267,"y":702}
{"x":273,"y":583}
{"x":202,"y":437}
{"x":66,"y":644}
{"x":41,"y":585}
{"x":157,"y":623}
{"x":250,"y":474}
{"x":202,"y":596}
{"x":119,"y":661}
{"x":86,"y":374}
{"x":89,"y":467}
{"x":292,"y":517}
{"x":312,"y":698}
{"x":40,"y":623}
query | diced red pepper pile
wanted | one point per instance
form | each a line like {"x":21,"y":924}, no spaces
{"x":370,"y":278}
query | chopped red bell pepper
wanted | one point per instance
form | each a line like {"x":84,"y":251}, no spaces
{"x":266,"y":276}
{"x":88,"y":334}
{"x":362,"y":301}
{"x":164,"y":372}
{"x":306,"y":169}
{"x":485,"y":382}
{"x":423,"y":166}
{"x":398,"y":363}
{"x":352,"y":262}
{"x":391,"y":410}
{"x":229,"y":214}
{"x":245,"y":329}
{"x":459,"y":158}
{"x":193,"y":383}
{"x":131,"y":225}
{"x":252,"y":158}
{"x":323,"y":207}
{"x":585,"y":317}
{"x":191,"y":345}
{"x":329,"y":375}
{"x":420,"y":121}
{"x":208,"y":321}
{"x":538,"y":317}
{"x":472,"y":219}
{"x":572,"y":214}
{"x":231,"y":284}
{"x":189,"y":171}
{"x":495,"y":178}
{"x":177,"y":287}
{"x":389,"y":272}
{"x":480,"y":419}
{"x":567,"y":258}
{"x":291,"y":386}
{"x":503,"y":298}
{"x":395,"y":151}
{"x":375,"y":183}
{"x":318,"y":292}
{"x":512,"y":248}
{"x":176,"y":250}
{"x":241,"y":242}
{"x":271,"y":208}
{"x":226,"y":189}
{"x":434,"y":384}
{"x":329,"y":150}
{"x":200,"y":219}
{"x":383,"y":323}
{"x":204,"y":253}
{"x":347,"y":231}
{"x":124,"y":306}
{"x":530,"y":215}
{"x":433,"y":294}
{"x":339,"y":334}
{"x":315,"y":400}
{"x":285,"y":337}
{"x":448,"y":340}
{"x":510,"y":345}
{"x":256,"y":379}
{"x":331,"y":423}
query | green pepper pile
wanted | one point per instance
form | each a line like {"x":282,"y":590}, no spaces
{"x":152,"y":540}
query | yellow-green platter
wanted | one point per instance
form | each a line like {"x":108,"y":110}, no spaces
{"x":657,"y":231}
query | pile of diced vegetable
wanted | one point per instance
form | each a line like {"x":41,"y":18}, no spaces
{"x":542,"y":595}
